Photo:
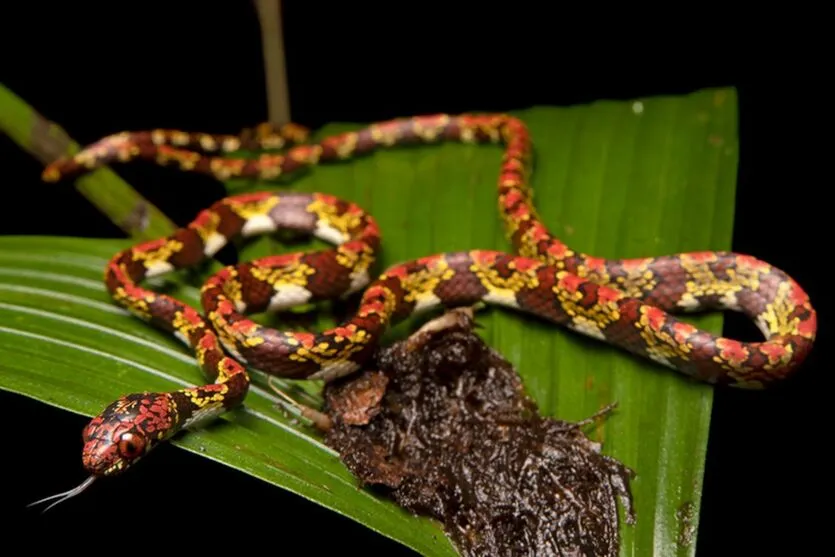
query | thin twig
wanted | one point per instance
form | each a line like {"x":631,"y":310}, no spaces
{"x":275,"y":69}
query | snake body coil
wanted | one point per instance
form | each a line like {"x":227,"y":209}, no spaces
{"x":627,"y":302}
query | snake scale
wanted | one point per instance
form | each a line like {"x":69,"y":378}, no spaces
{"x":627,"y":303}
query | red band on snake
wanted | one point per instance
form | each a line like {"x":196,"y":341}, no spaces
{"x":627,"y":303}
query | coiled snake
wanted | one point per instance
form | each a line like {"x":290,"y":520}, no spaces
{"x":626,"y":303}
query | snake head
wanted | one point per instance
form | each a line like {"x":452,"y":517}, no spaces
{"x":122,"y":434}
{"x":126,"y":431}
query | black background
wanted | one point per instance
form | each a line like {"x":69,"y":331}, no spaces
{"x":101,"y":68}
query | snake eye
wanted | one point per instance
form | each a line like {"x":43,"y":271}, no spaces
{"x":130,"y":445}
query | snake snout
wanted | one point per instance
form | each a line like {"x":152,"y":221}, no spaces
{"x":100,"y":459}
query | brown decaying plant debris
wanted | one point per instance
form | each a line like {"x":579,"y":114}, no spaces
{"x":440,"y":423}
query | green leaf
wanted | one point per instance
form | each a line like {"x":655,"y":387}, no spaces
{"x":111,"y":195}
{"x":615,"y":179}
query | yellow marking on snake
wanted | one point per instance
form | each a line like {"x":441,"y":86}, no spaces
{"x":247,"y":210}
{"x":137,"y":306}
{"x":504,"y":289}
{"x":295,"y":273}
{"x":225,"y":168}
{"x":330,"y":214}
{"x":207,"y":227}
{"x":603,"y":313}
{"x":156,"y":261}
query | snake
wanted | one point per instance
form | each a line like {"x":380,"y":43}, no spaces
{"x":627,"y":303}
